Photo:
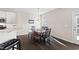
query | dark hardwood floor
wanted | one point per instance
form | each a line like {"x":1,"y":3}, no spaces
{"x":55,"y":44}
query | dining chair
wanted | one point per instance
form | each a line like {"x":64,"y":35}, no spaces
{"x":36,"y":37}
{"x":46,"y":36}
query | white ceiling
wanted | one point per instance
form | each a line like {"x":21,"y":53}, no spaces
{"x":29,"y":10}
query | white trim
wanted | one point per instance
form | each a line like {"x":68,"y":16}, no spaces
{"x":60,"y":43}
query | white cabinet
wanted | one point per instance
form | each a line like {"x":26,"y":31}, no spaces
{"x":6,"y":35}
{"x":11,"y":18}
{"x":2,"y":14}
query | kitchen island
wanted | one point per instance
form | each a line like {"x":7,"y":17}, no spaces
{"x":7,"y":34}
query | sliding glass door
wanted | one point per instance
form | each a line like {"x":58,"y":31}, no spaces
{"x":75,"y":27}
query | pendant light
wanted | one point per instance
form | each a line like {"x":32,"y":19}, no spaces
{"x":39,"y":20}
{"x":38,"y":15}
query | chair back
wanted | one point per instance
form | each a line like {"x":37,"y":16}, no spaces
{"x":48,"y":31}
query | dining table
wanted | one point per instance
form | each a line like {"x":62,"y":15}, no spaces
{"x":38,"y":35}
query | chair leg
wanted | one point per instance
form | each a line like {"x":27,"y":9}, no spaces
{"x":13,"y":48}
{"x":48,"y":40}
{"x":19,"y":45}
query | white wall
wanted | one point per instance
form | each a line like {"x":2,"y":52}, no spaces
{"x":60,"y":21}
{"x":22,"y":23}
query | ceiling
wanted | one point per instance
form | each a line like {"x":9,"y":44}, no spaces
{"x":28,"y":10}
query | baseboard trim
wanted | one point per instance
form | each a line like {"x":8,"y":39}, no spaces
{"x":64,"y":40}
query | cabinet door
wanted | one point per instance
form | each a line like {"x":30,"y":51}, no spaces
{"x":2,"y":14}
{"x":11,"y":17}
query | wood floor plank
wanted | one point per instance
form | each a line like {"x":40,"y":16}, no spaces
{"x":56,"y":44}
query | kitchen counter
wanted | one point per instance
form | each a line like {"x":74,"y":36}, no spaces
{"x":7,"y":30}
{"x":7,"y":34}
